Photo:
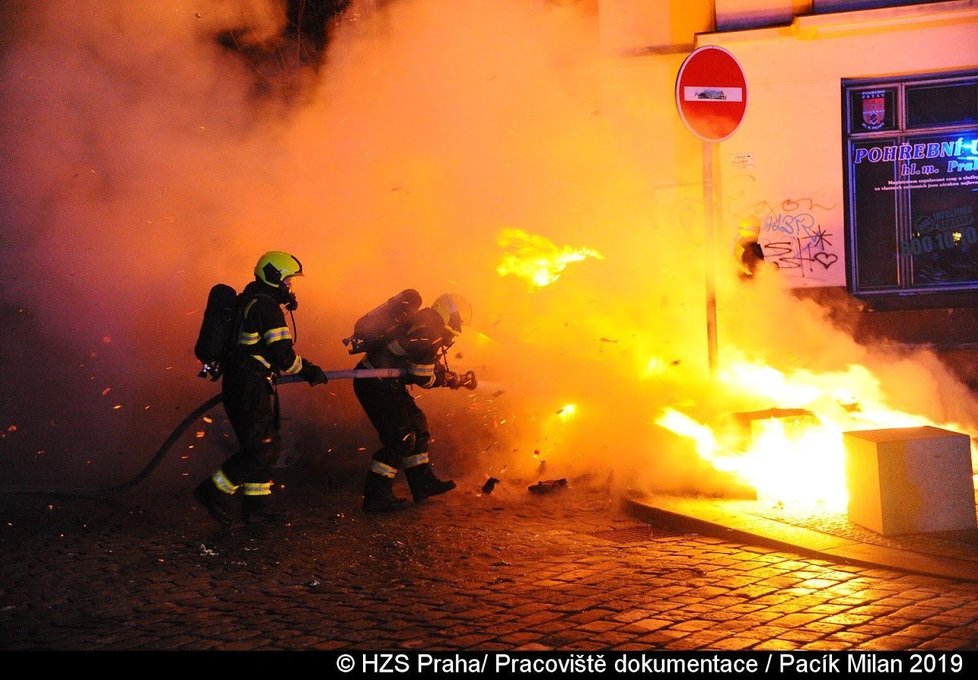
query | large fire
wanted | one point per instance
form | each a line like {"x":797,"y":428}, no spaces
{"x":793,"y":454}
{"x":776,"y":432}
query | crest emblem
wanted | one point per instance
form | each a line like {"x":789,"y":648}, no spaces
{"x":874,"y":109}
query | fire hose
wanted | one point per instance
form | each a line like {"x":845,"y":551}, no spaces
{"x":466,"y":380}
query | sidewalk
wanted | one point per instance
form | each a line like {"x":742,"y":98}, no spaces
{"x":952,"y":555}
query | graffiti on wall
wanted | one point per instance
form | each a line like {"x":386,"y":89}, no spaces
{"x":794,"y":238}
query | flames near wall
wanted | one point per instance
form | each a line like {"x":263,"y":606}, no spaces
{"x":483,"y":147}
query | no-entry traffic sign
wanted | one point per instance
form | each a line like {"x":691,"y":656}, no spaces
{"x":711,"y":93}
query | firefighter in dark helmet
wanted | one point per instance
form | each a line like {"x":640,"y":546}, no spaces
{"x":417,"y":346}
{"x":263,"y":350}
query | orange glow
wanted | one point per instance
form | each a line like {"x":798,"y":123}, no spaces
{"x":793,"y":454}
{"x":655,"y":367}
{"x":680,"y":423}
{"x":567,"y":412}
{"x":408,"y":161}
{"x":535,"y":258}
{"x":478,"y":337}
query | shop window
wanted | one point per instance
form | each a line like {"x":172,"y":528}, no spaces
{"x":911,"y":170}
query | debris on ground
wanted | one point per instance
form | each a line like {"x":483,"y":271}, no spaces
{"x":547,"y":486}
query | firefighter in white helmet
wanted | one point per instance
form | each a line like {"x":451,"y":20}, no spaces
{"x":263,"y":349}
{"x":417,"y":345}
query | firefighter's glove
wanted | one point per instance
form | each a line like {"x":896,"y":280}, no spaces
{"x":456,"y":381}
{"x":312,"y":373}
{"x":447,"y":379}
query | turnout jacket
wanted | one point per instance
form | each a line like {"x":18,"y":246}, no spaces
{"x":415,"y":346}
{"x":265,"y":341}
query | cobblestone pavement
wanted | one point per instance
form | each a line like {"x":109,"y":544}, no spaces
{"x":509,"y":570}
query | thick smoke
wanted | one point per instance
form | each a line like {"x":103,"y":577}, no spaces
{"x":145,"y":160}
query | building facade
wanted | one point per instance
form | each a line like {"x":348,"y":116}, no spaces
{"x":858,"y":150}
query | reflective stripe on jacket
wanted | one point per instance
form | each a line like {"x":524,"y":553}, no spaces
{"x":265,"y":336}
{"x":414,"y":347}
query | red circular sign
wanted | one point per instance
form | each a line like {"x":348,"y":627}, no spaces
{"x":711,"y":93}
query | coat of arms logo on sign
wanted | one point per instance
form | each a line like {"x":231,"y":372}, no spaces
{"x":874,"y":109}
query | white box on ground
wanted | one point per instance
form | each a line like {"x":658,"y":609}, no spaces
{"x":910,"y":480}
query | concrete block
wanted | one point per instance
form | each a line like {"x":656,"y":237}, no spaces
{"x":910,"y":480}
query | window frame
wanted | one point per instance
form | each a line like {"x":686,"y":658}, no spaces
{"x":879,"y":146}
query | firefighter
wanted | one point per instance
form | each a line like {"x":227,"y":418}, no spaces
{"x":417,"y":345}
{"x":747,"y":250}
{"x":263,"y":350}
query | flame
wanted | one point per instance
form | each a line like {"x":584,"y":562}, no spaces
{"x":655,"y":367}
{"x":537,"y":259}
{"x":706,"y":443}
{"x":793,"y":454}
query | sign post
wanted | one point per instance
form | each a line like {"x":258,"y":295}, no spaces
{"x":711,"y":96}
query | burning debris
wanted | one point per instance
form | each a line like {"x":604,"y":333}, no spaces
{"x":751,"y":425}
{"x":535,"y":258}
{"x":548,"y":486}
{"x":789,"y":455}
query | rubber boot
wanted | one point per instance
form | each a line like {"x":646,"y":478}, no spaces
{"x":378,"y":494}
{"x":424,"y":484}
{"x":261,"y":510}
{"x":214,"y":500}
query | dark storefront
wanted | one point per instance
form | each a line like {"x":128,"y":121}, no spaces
{"x":911,"y":171}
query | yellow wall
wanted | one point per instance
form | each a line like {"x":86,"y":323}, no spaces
{"x":785,"y":162}
{"x":638,"y":26}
